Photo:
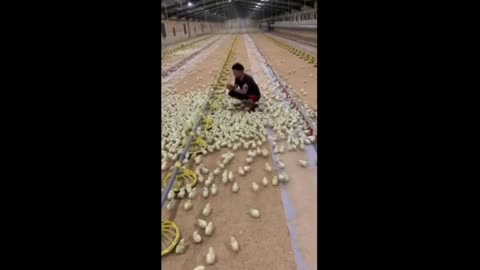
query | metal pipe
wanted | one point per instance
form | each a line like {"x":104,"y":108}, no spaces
{"x":296,"y":26}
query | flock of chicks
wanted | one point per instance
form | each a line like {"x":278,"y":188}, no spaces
{"x":234,"y":128}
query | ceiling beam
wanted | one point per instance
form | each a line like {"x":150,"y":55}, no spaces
{"x":168,"y":3}
{"x":250,"y":4}
{"x":211,"y":19}
{"x":198,"y":5}
{"x":177,"y":5}
{"x":286,"y":2}
{"x":228,"y":11}
{"x":213,"y":3}
{"x":210,"y":4}
{"x":237,"y":7}
{"x":201,"y":13}
{"x":249,"y":9}
{"x":271,"y":3}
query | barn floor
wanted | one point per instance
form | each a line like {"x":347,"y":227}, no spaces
{"x":285,"y":236}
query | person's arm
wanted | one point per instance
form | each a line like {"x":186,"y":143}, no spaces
{"x":243,"y":90}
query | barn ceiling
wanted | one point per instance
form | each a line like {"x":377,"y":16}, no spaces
{"x":220,"y":10}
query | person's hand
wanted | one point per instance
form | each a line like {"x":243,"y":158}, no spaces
{"x":230,"y":86}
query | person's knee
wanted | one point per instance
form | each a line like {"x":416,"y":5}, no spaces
{"x":254,"y":99}
{"x":235,"y":95}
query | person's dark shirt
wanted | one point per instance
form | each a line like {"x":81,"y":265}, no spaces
{"x":252,"y":86}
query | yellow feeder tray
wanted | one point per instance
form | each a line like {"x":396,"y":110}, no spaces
{"x":197,"y":146}
{"x":207,"y":123}
{"x":184,"y":177}
{"x":170,"y":236}
{"x":213,"y":107}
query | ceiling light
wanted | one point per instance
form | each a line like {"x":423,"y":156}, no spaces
{"x":189,"y":4}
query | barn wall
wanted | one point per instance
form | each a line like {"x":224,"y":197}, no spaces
{"x":240,"y":25}
{"x":194,"y":26}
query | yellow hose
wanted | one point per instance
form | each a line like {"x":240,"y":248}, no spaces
{"x":170,"y":236}
{"x":184,"y":178}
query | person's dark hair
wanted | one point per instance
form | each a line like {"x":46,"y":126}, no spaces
{"x":237,"y":66}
